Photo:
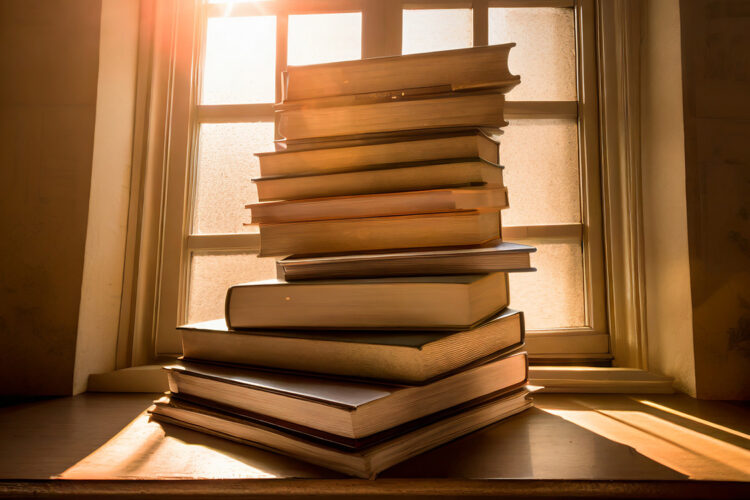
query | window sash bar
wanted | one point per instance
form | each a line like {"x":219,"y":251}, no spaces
{"x":563,"y":4}
{"x":514,"y":110}
{"x":251,"y":241}
{"x":590,"y":181}
{"x":436,"y":4}
{"x":282,"y":7}
{"x":481,"y":22}
{"x":459,"y":4}
{"x":232,"y":113}
{"x":279,"y":7}
{"x":224,"y":242}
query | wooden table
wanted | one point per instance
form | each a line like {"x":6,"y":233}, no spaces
{"x":569,"y":446}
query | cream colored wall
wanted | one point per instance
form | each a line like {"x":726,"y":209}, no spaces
{"x":110,"y":187}
{"x":668,"y":292}
{"x":49,"y":52}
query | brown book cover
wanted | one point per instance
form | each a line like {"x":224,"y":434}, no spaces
{"x":384,"y":178}
{"x":379,"y":205}
{"x":346,"y":158}
{"x":476,"y":67}
{"x":455,"y":302}
{"x":334,"y":440}
{"x":465,"y":227}
{"x":340,"y":405}
{"x":495,"y":256}
{"x":476,"y":109}
{"x":364,"y":462}
{"x":404,"y":357}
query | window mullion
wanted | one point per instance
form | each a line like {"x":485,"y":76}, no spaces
{"x":514,"y":110}
{"x":251,"y":241}
{"x":282,"y":37}
{"x":234,"y":113}
{"x":381,"y":28}
{"x":480,"y":14}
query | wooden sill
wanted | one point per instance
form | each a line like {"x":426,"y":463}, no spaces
{"x":378,"y":489}
{"x":570,"y":446}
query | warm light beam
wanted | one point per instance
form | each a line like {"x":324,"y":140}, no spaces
{"x":693,"y":418}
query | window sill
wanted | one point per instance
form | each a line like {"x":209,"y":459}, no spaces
{"x":561,"y":379}
{"x":572,"y":446}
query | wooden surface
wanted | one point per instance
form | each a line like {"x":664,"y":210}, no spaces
{"x":651,"y":446}
{"x":715,"y":43}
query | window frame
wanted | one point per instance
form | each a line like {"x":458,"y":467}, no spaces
{"x":160,"y":251}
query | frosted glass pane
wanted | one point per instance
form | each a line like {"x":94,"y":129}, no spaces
{"x":212,"y":273}
{"x":426,"y":30}
{"x":544,"y":54}
{"x":551,"y":297}
{"x":240,"y":60}
{"x":322,"y":38}
{"x":541,"y":172}
{"x":225,"y":166}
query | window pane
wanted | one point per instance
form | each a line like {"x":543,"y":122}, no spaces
{"x":240,"y":60}
{"x":225,"y":166}
{"x":211,"y":273}
{"x":426,"y":30}
{"x":321,"y":38}
{"x":541,"y":172}
{"x":544,"y":54}
{"x":551,"y":297}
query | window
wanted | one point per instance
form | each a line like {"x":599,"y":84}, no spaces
{"x":227,"y":60}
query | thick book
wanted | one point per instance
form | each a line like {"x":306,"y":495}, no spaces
{"x":482,"y":109}
{"x":387,"y":178}
{"x":404,"y":357}
{"x":415,"y":303}
{"x":339,"y":406}
{"x":491,"y":257}
{"x":472,"y":227}
{"x":478,"y":67}
{"x":364,"y":462}
{"x":379,"y":205}
{"x":455,"y":146}
{"x":378,"y":138}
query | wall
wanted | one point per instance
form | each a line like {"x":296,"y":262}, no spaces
{"x":716,"y":91}
{"x":101,"y":290}
{"x":49,"y":55}
{"x":668,"y":294}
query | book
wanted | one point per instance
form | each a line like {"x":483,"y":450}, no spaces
{"x":339,"y":406}
{"x":477,"y":67}
{"x":471,"y":227}
{"x":416,"y":303}
{"x":376,"y":97}
{"x":365,"y":462}
{"x":312,"y":143}
{"x":387,"y":178}
{"x":490,"y":257}
{"x":455,"y":146}
{"x":403,"y":357}
{"x":379,"y":205}
{"x":478,"y":109}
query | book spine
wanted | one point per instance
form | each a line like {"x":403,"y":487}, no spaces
{"x":227,"y":316}
{"x":482,"y":110}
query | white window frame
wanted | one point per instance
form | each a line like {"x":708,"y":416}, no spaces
{"x":167,"y":118}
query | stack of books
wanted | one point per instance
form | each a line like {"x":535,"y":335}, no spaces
{"x":387,"y":332}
